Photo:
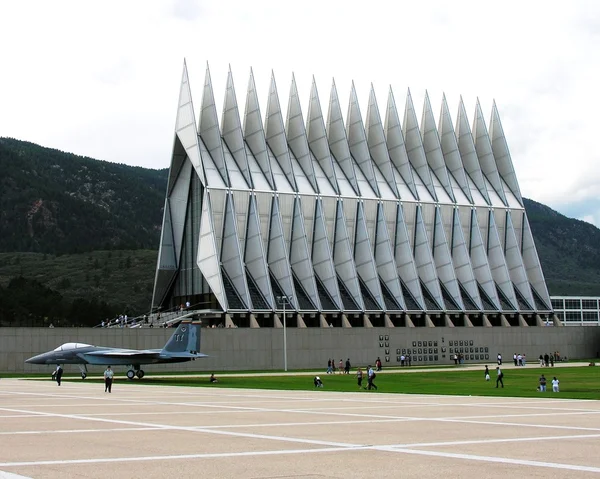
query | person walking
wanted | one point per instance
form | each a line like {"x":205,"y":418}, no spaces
{"x":487,"y":373}
{"x":108,"y":379}
{"x":499,"y":376}
{"x":359,"y":377}
{"x":329,"y":366}
{"x":57,"y":375}
{"x":370,"y":378}
{"x":555,"y":383}
{"x":347,"y":368}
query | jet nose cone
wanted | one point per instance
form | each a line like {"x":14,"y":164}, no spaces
{"x":39,"y":359}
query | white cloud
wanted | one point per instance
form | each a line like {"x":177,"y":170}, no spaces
{"x":102,"y":78}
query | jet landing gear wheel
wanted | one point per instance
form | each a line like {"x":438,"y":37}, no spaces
{"x":140,"y":374}
{"x":130,"y":374}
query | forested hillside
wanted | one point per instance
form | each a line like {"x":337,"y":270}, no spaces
{"x":79,"y":238}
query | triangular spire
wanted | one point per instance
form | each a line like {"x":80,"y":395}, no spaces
{"x":414,"y":146}
{"x":254,"y":133}
{"x":296,"y":136}
{"x":433,"y":148}
{"x":516,"y":268}
{"x":357,"y":141}
{"x":424,"y":261}
{"x":338,"y":141}
{"x":462,"y":262}
{"x":533,"y":266}
{"x":300,"y":260}
{"x":232,"y":130}
{"x":342,"y":258}
{"x":277,"y":255}
{"x":208,"y":128}
{"x":179,"y":201}
{"x":185,"y":133}
{"x":166,"y":268}
{"x":384,"y":259}
{"x":483,"y":146}
{"x":466,"y":147}
{"x":322,"y":257}
{"x":479,"y":261}
{"x":377,"y":144}
{"x":231,"y":256}
{"x":208,"y":256}
{"x":443,"y":260}
{"x":498,"y":265}
{"x":317,"y":137}
{"x":502,"y":154}
{"x":275,"y":134}
{"x":363,"y":258}
{"x":405,"y":261}
{"x":449,"y":145}
{"x":395,"y":144}
{"x":254,"y":254}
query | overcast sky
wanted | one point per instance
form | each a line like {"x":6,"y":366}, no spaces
{"x":101,"y":79}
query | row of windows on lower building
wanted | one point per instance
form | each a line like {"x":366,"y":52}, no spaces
{"x":563,"y":303}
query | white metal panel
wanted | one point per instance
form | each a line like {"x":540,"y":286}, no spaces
{"x":322,"y":258}
{"x":428,"y":214}
{"x":286,"y":209}
{"x":308,"y":212}
{"x":433,"y":148}
{"x":254,"y":133}
{"x":404,"y":190}
{"x":478,"y":199}
{"x":447,"y":213}
{"x":350,"y":205}
{"x":236,"y":179}
{"x":498,"y":265}
{"x":275,"y":135}
{"x":462,"y":262}
{"x":330,"y":206}
{"x":369,"y":208}
{"x":178,"y":203}
{"x":459,"y":195}
{"x":365,"y":188}
{"x":217,"y":202}
{"x":443,"y":261}
{"x":493,"y":194}
{"x":377,"y":145}
{"x":409,"y":211}
{"x":449,"y":145}
{"x":254,"y":254}
{"x":277,"y":255}
{"x":317,"y":137}
{"x":510,"y":197}
{"x":396,"y":148}
{"x":304,"y":185}
{"x":281,"y":180}
{"x":424,"y":260}
{"x":263,"y":204}
{"x":518,"y":217}
{"x":232,"y":129}
{"x":231,"y":258}
{"x":480,"y":263}
{"x":240,"y":205}
{"x":390,"y":210}
{"x":185,"y":125}
{"x":363,"y":258}
{"x":357,"y":140}
{"x":465,"y":221}
{"x":208,"y":127}
{"x":532,"y":264}
{"x":208,"y":256}
{"x":502,"y":155}
{"x":414,"y":147}
{"x":440,"y":191}
{"x":296,"y":137}
{"x":466,"y":147}
{"x":500,"y":220}
{"x":483,"y":147}
{"x":422,"y":190}
{"x":384,"y":189}
{"x":384,"y":258}
{"x":343,"y":260}
{"x":323,"y":182}
{"x":167,"y":259}
{"x":403,"y":254}
{"x":300,"y":260}
{"x":483,"y":219}
{"x":259,"y":179}
{"x":213,"y":177}
{"x":344,"y":185}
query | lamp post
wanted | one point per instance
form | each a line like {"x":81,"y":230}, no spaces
{"x":283,"y":300}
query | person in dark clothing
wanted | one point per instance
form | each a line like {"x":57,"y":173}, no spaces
{"x":347,"y":368}
{"x":370,"y":378}
{"x":499,"y":376}
{"x":57,"y":375}
{"x":487,"y":373}
{"x":546,"y":359}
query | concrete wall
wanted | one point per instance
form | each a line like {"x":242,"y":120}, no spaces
{"x":262,"y":349}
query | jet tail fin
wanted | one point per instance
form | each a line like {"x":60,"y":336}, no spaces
{"x":185,"y":339}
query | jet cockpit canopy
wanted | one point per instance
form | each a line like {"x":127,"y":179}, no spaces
{"x":68,"y":346}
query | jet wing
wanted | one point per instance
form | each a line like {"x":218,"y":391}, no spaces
{"x":140,"y":355}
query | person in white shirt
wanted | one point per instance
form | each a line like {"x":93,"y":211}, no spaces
{"x":108,"y":379}
{"x":555,"y":383}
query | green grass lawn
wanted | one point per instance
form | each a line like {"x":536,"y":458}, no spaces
{"x":575,"y":382}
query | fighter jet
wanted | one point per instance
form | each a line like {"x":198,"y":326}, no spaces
{"x":184,"y":345}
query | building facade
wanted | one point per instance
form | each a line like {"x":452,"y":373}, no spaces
{"x":380,"y":222}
